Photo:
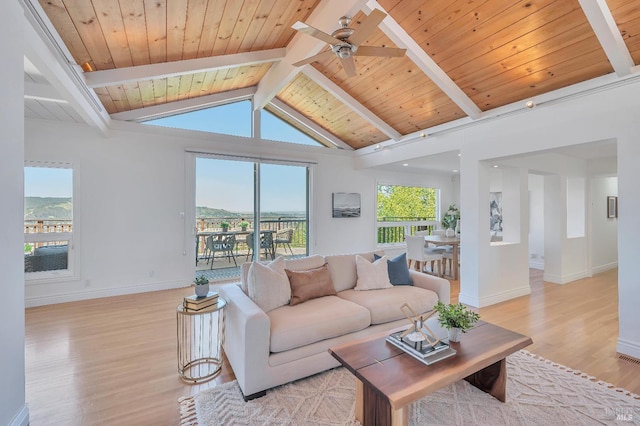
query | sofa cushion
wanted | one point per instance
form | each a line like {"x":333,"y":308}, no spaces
{"x":268,"y":284}
{"x":372,"y":276}
{"x":304,"y":263}
{"x":343,"y":269}
{"x":311,"y":284}
{"x":315,"y":320}
{"x":398,"y":269}
{"x":384,"y":305}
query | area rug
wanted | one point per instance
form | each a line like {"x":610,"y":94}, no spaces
{"x":539,"y":392}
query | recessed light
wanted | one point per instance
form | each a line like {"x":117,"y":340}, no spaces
{"x":459,"y":155}
{"x":423,"y":135}
{"x":495,"y":166}
{"x":530,"y":104}
{"x":455,"y":171}
{"x":405,"y":164}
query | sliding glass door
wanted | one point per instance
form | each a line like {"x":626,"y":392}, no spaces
{"x":234,"y":226}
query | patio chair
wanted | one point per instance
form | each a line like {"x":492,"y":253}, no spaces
{"x":266,"y":243}
{"x":284,"y":238}
{"x":222,"y":244}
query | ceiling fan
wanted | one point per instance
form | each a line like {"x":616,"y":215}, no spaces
{"x":345,"y":41}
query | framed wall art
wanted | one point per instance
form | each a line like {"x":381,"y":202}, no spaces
{"x":346,"y":204}
{"x":612,"y":207}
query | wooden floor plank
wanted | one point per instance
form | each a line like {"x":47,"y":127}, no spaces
{"x":112,"y":361}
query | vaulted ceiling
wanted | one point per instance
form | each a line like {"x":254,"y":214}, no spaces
{"x":466,"y":60}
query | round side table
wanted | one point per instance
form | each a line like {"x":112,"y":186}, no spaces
{"x":200,"y":335}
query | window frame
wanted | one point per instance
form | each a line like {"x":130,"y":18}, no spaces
{"x":32,"y":278}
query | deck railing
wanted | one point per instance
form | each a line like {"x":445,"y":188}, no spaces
{"x":393,"y":231}
{"x":298,"y":224}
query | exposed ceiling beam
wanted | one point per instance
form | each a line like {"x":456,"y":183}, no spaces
{"x":42,"y":92}
{"x":47,"y":53}
{"x":349,"y":101}
{"x":185,"y":105}
{"x":324,"y":17}
{"x":310,"y":125}
{"x":603,"y":24}
{"x":117,"y":76}
{"x":399,"y":36}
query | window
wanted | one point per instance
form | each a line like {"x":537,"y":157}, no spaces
{"x":48,"y":221}
{"x":274,"y":128}
{"x":404,"y":209}
{"x":231,"y":119}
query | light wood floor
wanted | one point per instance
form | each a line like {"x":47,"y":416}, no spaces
{"x":112,"y":361}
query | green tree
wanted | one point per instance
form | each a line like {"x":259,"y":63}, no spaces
{"x":406,"y":202}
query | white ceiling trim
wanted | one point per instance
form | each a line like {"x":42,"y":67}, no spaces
{"x":399,"y":36}
{"x":324,"y":17}
{"x":117,"y":76}
{"x":44,"y":51}
{"x":310,"y":125}
{"x":599,"y":16}
{"x":350,"y":101}
{"x":186,"y":105}
{"x":42,"y":92}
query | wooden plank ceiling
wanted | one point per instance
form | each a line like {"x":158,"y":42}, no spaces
{"x":497,"y":52}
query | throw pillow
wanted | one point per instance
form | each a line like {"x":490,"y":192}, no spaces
{"x":310,"y":284}
{"x":268,"y":284}
{"x":398,"y":269}
{"x":372,"y":276}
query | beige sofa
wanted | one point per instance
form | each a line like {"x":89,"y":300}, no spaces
{"x":291,"y":342}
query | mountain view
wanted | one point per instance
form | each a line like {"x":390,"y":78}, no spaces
{"x":48,"y":208}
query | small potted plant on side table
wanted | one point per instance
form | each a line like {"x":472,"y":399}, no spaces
{"x":457,"y":319}
{"x":202,"y":285}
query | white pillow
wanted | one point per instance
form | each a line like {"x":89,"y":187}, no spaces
{"x":268,"y":284}
{"x":372,"y":276}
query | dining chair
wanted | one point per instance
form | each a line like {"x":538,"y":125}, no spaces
{"x":224,"y":244}
{"x":417,"y":252}
{"x":284,"y":238}
{"x":266,"y":243}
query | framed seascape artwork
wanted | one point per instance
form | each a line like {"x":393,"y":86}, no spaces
{"x":612,"y":207}
{"x":346,"y":204}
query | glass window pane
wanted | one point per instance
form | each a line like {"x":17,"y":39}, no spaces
{"x":230,"y":119}
{"x":275,"y":129}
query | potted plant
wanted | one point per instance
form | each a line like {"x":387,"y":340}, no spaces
{"x":202,"y":285}
{"x":244,"y":225}
{"x":225,"y":226}
{"x":450,"y":219}
{"x":457,"y":319}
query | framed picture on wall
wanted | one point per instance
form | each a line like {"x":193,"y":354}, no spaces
{"x":346,"y":204}
{"x":612,"y":207}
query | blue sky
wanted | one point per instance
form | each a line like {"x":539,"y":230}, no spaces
{"x":48,"y":182}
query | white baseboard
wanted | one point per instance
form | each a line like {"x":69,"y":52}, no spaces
{"x":602,"y":268}
{"x":564,"y":279}
{"x":494,"y":298}
{"x":536,"y":264}
{"x":21,"y":418}
{"x":107,"y":292}
{"x":627,"y":347}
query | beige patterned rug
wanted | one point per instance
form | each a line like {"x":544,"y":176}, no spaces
{"x":539,"y":392}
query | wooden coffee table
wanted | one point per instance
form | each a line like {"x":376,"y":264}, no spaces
{"x":388,"y":380}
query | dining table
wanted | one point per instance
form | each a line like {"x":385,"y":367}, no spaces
{"x":440,"y":240}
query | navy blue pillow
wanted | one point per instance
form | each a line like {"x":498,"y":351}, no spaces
{"x":398,"y":269}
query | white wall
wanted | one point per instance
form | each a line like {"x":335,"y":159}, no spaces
{"x":604,"y":231}
{"x":133,"y":186}
{"x":13,"y":410}
{"x":536,"y":221}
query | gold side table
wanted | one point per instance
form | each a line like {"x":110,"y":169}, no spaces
{"x":200,"y":335}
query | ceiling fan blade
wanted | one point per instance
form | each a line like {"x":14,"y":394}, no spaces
{"x":380,"y":51}
{"x":314,"y":32}
{"x":367,"y":27}
{"x":349,"y":66}
{"x":318,"y":57}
